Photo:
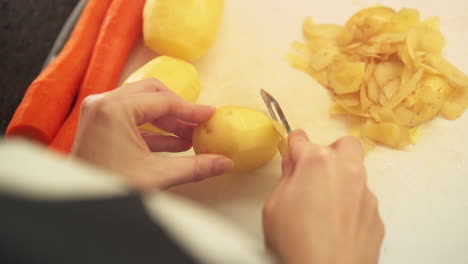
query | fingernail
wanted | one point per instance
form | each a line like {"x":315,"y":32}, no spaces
{"x":223,"y":165}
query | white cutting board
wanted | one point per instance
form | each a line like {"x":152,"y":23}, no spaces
{"x":421,"y":191}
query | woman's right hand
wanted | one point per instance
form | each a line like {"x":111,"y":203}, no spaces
{"x":322,"y":210}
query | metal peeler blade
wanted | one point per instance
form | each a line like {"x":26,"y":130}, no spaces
{"x":275,"y":110}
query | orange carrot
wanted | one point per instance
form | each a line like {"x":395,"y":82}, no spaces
{"x":50,"y":96}
{"x":122,"y":27}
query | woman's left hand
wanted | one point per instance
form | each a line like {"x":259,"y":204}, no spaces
{"x":108,"y":136}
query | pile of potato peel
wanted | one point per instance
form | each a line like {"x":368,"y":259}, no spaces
{"x":385,"y":68}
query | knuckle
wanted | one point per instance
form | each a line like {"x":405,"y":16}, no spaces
{"x":99,"y":106}
{"x":357,"y":174}
{"x":350,"y":143}
{"x":201,"y":169}
{"x":318,"y":155}
{"x":90,"y":102}
{"x":154,"y":85}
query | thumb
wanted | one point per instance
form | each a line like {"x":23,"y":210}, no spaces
{"x":172,"y":171}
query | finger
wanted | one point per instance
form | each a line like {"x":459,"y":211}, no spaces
{"x":297,"y":142}
{"x":146,"y":107}
{"x":160,"y":143}
{"x":189,"y":112}
{"x":349,"y":148}
{"x":175,"y":126}
{"x":180,"y":170}
{"x":287,"y":166}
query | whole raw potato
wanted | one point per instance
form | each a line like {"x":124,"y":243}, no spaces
{"x":245,"y":135}
{"x":181,"y":28}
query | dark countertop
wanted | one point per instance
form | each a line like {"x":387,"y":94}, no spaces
{"x":28,"y":31}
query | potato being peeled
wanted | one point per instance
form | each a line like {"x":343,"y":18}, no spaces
{"x":184,"y":29}
{"x":246,"y":136}
{"x":178,"y":75}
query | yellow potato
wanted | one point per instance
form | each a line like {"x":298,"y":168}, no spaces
{"x":184,"y":29}
{"x":178,"y":75}
{"x":245,"y":135}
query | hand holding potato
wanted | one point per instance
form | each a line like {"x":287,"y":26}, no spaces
{"x":107,"y":136}
{"x":322,"y":210}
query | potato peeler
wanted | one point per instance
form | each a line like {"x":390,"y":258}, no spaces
{"x":279,"y":121}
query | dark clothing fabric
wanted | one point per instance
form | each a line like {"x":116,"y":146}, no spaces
{"x":111,"y":230}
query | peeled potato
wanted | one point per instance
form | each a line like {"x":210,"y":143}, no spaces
{"x":184,"y":29}
{"x":245,"y":135}
{"x":178,"y":75}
